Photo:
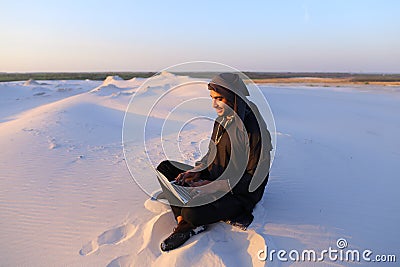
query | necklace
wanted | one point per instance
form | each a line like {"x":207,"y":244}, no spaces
{"x":218,"y":138}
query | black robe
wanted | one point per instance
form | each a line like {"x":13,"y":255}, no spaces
{"x":242,"y":155}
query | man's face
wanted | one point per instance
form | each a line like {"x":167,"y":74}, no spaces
{"x":219,"y":103}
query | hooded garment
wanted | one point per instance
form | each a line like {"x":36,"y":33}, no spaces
{"x":243,"y":145}
{"x":232,"y":88}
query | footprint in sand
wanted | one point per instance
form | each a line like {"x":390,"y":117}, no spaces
{"x":123,"y":261}
{"x":152,"y":233}
{"x":110,"y":237}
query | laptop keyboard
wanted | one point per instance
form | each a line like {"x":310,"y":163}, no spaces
{"x":183,"y":192}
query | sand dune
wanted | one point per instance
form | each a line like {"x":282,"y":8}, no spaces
{"x":67,"y":197}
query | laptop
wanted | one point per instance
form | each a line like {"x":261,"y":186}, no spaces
{"x":181,"y":193}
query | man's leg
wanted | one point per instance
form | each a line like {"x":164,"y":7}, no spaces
{"x":195,"y":219}
{"x":225,"y":208}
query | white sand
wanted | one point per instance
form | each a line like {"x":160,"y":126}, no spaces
{"x":67,"y":198}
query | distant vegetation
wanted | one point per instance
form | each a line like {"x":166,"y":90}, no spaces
{"x":354,"y":77}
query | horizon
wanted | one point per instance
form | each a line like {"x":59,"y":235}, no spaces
{"x":243,"y":71}
{"x":307,"y":36}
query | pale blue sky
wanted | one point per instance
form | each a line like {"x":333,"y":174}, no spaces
{"x":298,"y":35}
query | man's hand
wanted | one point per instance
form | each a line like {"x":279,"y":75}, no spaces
{"x":189,"y":176}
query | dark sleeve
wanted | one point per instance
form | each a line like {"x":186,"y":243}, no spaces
{"x":242,"y":187}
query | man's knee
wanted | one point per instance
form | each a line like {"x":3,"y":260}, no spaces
{"x":163,"y":166}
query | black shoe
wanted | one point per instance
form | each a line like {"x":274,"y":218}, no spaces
{"x":180,"y":235}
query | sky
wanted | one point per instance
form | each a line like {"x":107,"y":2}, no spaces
{"x":277,"y":36}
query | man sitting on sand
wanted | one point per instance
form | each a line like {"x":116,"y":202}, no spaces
{"x":238,"y":156}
